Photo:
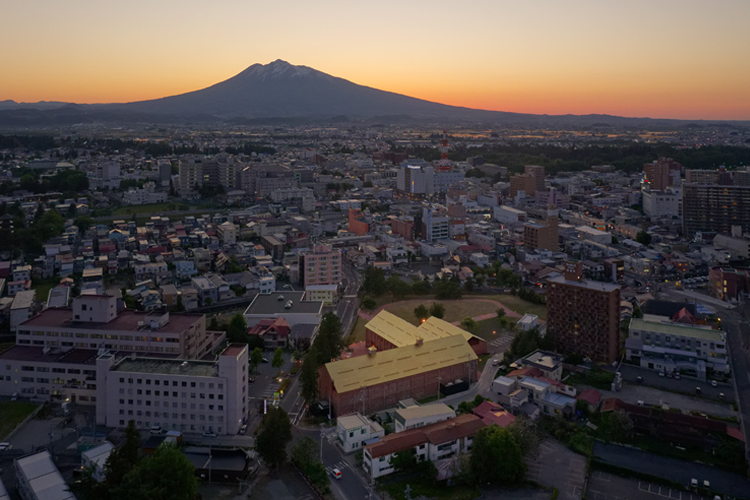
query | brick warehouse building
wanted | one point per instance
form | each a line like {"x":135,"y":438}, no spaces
{"x":388,"y":331}
{"x":380,"y":379}
{"x":584,"y":316}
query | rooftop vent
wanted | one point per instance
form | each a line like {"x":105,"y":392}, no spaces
{"x":184,"y":365}
{"x":420,"y":341}
{"x":372,"y":350}
{"x":280,"y":298}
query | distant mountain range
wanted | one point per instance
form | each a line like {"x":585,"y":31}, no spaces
{"x":280,"y":92}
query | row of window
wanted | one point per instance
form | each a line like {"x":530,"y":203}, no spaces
{"x":183,"y":427}
{"x":200,"y":385}
{"x":184,"y":406}
{"x":201,"y":395}
{"x":97,"y":336}
{"x":183,"y":416}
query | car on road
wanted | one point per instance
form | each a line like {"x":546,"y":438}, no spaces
{"x":5,"y":446}
{"x":336,"y":473}
{"x":209,"y":434}
{"x":243,"y":429}
{"x":251,"y":380}
{"x":495,"y":362}
{"x":14,"y":396}
{"x":265,"y":360}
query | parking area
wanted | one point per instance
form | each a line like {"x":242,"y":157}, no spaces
{"x":604,"y":486}
{"x":632,"y":393}
{"x":557,"y":466}
{"x":685,"y":384}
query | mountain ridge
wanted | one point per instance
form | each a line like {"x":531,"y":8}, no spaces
{"x":280,"y":91}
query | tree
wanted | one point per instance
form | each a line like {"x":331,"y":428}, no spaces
{"x":438,"y":310}
{"x":469,"y":324}
{"x":329,"y":344}
{"x":404,"y":460}
{"x":304,"y":452}
{"x":643,"y":237}
{"x":526,"y":433}
{"x":274,"y":436}
{"x":278,"y":358}
{"x":368,"y":303}
{"x":237,"y":329}
{"x":167,"y":474}
{"x":421,"y":287}
{"x":501,"y":313}
{"x":469,"y":285}
{"x":421,"y":312}
{"x":398,"y":287}
{"x":447,"y":290}
{"x":256,"y":358}
{"x":308,"y":378}
{"x":496,"y":457}
{"x":374,"y":283}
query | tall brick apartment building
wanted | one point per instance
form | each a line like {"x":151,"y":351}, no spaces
{"x":584,"y":316}
{"x":403,"y":361}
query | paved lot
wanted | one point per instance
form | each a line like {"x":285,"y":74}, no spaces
{"x":284,"y":484}
{"x":557,"y":466}
{"x":632,"y":393}
{"x":672,"y":469}
{"x":603,"y":486}
{"x":685,"y":384}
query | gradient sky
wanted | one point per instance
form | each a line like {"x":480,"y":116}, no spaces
{"x":658,"y":58}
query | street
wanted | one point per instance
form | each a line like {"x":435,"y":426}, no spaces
{"x":738,"y":333}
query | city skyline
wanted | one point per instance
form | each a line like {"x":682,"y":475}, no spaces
{"x":671,"y":59}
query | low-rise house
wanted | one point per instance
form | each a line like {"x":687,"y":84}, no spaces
{"x":433,"y":442}
{"x":96,"y":458}
{"x":275,"y":332}
{"x":549,"y":363}
{"x":354,"y":431}
{"x":420,"y":416}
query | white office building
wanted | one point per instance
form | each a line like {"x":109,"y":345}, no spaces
{"x":184,"y":395}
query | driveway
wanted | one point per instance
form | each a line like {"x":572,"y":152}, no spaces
{"x":672,"y":469}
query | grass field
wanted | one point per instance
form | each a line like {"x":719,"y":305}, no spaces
{"x":519,"y":305}
{"x":13,"y":413}
{"x":455,"y":310}
{"x":489,"y":329}
{"x":358,"y":332}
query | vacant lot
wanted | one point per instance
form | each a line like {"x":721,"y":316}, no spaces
{"x":455,"y":310}
{"x":13,"y":413}
{"x":519,"y":305}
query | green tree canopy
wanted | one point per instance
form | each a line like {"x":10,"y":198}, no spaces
{"x":421,"y":312}
{"x":256,"y":358}
{"x":278,"y":358}
{"x":237,"y":329}
{"x":274,"y":436}
{"x":374,"y":283}
{"x":167,"y":474}
{"x":447,"y":290}
{"x":329,"y":343}
{"x":643,"y":237}
{"x":438,"y":310}
{"x":398,"y":287}
{"x":308,"y":378}
{"x":469,"y":324}
{"x":496,"y":457}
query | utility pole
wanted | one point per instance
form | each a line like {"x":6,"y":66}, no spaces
{"x":439,"y":378}
{"x":210,"y":459}
{"x":363,"y":399}
{"x":321,"y":443}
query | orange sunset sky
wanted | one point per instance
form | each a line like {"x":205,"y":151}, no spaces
{"x":658,"y":58}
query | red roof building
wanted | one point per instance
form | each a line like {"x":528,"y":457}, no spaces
{"x":274,"y":332}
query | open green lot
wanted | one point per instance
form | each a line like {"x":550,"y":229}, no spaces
{"x":42,"y":290}
{"x":455,"y":310}
{"x":518,"y":305}
{"x":13,"y":413}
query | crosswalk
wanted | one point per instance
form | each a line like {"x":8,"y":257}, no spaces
{"x":343,"y":464}
{"x":502,"y":341}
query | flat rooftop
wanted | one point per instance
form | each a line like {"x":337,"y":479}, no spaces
{"x":37,"y":354}
{"x":598,"y":286}
{"x":270,"y":305}
{"x":167,"y":367}
{"x":544,"y":359}
{"x":677,"y":329}
{"x":126,"y":320}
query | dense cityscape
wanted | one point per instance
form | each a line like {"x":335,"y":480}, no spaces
{"x":369,"y":310}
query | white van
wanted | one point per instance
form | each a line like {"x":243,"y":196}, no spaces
{"x":156,"y":430}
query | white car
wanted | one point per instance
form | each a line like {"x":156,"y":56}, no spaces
{"x":714,"y":383}
{"x":209,"y":434}
{"x":5,"y":446}
{"x":336,"y":473}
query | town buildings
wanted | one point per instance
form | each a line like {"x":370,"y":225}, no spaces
{"x":185,"y":395}
{"x":321,"y":266}
{"x":584,"y":316}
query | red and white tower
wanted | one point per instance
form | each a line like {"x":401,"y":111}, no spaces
{"x":444,"y":163}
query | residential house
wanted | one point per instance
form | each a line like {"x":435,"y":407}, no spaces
{"x":354,"y":431}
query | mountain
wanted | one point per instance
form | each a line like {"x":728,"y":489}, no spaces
{"x":280,"y":92}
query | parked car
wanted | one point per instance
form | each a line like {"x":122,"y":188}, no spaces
{"x":661,"y":374}
{"x":714,"y":383}
{"x":209,"y":434}
{"x":721,"y":395}
{"x":14,"y":396}
{"x":5,"y":446}
{"x":677,"y":376}
{"x":156,"y":430}
{"x":243,"y":429}
{"x":697,"y":390}
{"x":639,"y":379}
